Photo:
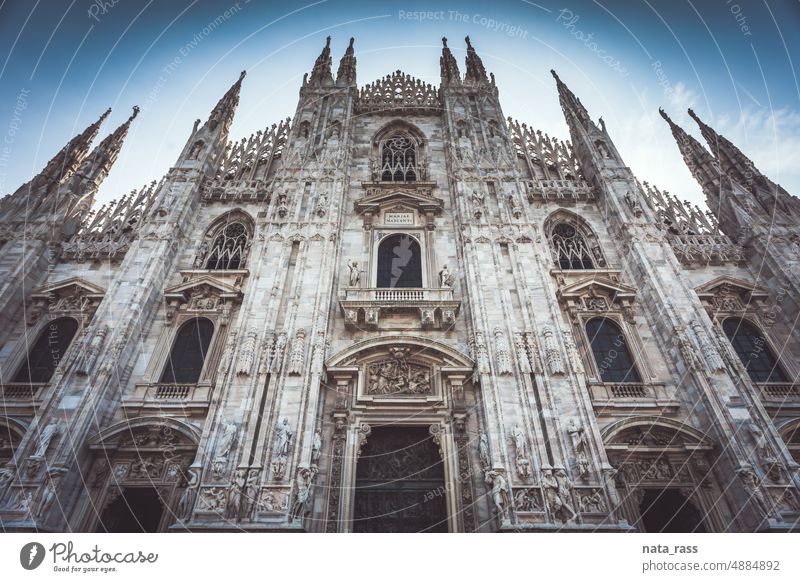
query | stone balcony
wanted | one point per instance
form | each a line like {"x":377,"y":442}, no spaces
{"x":610,"y":397}
{"x":21,"y":397}
{"x":780,"y":395}
{"x":437,"y":308}
{"x":178,"y":399}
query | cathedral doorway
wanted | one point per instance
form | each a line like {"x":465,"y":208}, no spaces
{"x":669,"y":511}
{"x":136,"y":510}
{"x":400,"y":483}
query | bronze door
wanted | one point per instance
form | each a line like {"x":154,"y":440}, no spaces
{"x":400,"y":483}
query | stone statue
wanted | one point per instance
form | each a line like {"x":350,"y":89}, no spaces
{"x":201,"y":255}
{"x":316,"y":447}
{"x":233,"y":507}
{"x":483,"y":451}
{"x":226,"y":440}
{"x":752,"y":484}
{"x":45,"y":437}
{"x":251,"y":493}
{"x":284,"y":438}
{"x":556,"y":493}
{"x":305,"y":488}
{"x":49,"y":495}
{"x":577,"y":435}
{"x":523,"y":466}
{"x":500,"y":494}
{"x":186,"y":503}
{"x":445,"y":278}
{"x":355,"y":276}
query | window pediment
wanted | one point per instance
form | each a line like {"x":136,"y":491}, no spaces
{"x":731,"y":294}
{"x":599,"y":294}
{"x":381,"y":200}
{"x":202,"y":295}
{"x":74,"y":297}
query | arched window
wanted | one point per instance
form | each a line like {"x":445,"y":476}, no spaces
{"x":189,"y":351}
{"x":611,"y":351}
{"x":570,"y":248}
{"x":399,"y":158}
{"x":42,"y":360}
{"x":752,"y":349}
{"x":228,"y":250}
{"x":399,"y":262}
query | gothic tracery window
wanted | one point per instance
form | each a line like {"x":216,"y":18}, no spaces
{"x":42,"y":360}
{"x":570,"y":248}
{"x":228,"y":249}
{"x":752,"y":349}
{"x":610,"y":350}
{"x":399,"y":262}
{"x":189,"y":351}
{"x":399,"y":158}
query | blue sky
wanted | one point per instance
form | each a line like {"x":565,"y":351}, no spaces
{"x":63,"y":63}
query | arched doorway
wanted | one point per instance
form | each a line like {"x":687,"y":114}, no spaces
{"x":135,"y":510}
{"x":399,"y":262}
{"x":400,"y":483}
{"x":668,"y":511}
{"x":663,"y":476}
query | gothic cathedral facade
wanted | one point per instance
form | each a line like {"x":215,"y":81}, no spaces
{"x":399,"y":311}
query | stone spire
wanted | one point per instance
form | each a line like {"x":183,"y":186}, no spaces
{"x":733,"y":161}
{"x":97,"y":165}
{"x":574,"y":110}
{"x":449,"y":67}
{"x":31,"y":195}
{"x":476,"y":73}
{"x":66,"y":161}
{"x":700,"y":162}
{"x":76,"y":197}
{"x":321,"y":73}
{"x":225,"y":107}
{"x":346,"y":75}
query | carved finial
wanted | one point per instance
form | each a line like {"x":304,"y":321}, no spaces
{"x":444,"y":41}
{"x":469,"y":45}
{"x":242,"y":75}
{"x":135,"y":112}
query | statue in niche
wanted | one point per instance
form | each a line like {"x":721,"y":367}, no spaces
{"x":500,"y":495}
{"x":316,"y":447}
{"x":235,"y":492}
{"x":45,"y":438}
{"x":305,"y":489}
{"x":355,"y":276}
{"x":577,"y":435}
{"x":251,"y":493}
{"x":226,"y":441}
{"x":186,"y":502}
{"x":483,"y":451}
{"x":520,"y":453}
{"x":201,"y":255}
{"x":556,"y":492}
{"x":284,"y":438}
{"x":445,"y":278}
